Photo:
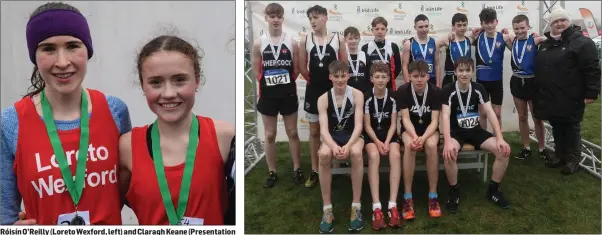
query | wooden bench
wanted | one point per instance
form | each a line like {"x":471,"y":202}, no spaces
{"x":468,"y":158}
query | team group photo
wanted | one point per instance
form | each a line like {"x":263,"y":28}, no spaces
{"x":420,"y":117}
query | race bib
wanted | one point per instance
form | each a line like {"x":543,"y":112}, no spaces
{"x":468,"y":121}
{"x":191,"y":221}
{"x":275,"y":77}
{"x":79,"y":218}
{"x":430,"y":68}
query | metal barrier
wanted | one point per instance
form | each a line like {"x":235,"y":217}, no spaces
{"x":591,"y":153}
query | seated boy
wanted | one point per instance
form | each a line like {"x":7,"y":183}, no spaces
{"x":340,"y":117}
{"x":380,"y":119}
{"x":461,"y":102}
{"x":419,"y":102}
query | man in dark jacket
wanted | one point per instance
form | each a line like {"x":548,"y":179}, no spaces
{"x":567,"y":70}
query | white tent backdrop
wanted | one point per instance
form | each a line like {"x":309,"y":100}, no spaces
{"x":400,"y":16}
{"x":119,"y":30}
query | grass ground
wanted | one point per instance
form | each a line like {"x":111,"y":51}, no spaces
{"x":542,"y":200}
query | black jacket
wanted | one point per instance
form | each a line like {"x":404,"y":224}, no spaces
{"x":567,"y":72}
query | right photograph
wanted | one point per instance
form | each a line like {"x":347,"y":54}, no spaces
{"x":422,"y":117}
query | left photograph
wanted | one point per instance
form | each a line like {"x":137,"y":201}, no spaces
{"x":117,"y":113}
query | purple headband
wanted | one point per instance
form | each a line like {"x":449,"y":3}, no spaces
{"x":57,"y":22}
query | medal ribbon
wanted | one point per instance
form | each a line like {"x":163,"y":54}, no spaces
{"x":423,"y":49}
{"x":492,"y":48}
{"x":173,"y":216}
{"x":462,"y":53}
{"x":75,"y":187}
{"x":355,"y":69}
{"x":522,"y":54}
{"x":379,"y":116}
{"x":274,"y":52}
{"x":426,"y":90}
{"x":463,"y":108}
{"x":336,"y":108}
{"x":380,"y":55}
{"x":323,"y":52}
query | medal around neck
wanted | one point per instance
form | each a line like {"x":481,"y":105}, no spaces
{"x":379,"y":115}
{"x":174,"y":216}
{"x":74,"y":187}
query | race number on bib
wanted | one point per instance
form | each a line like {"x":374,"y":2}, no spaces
{"x":468,"y":121}
{"x":275,"y":77}
{"x":430,"y":68}
{"x":191,"y":221}
{"x":79,"y":218}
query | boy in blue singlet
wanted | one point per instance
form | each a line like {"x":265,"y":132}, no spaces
{"x":490,"y":47}
{"x":524,"y":48}
{"x":421,"y":47}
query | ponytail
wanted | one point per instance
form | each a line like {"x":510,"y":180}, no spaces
{"x":37,"y":83}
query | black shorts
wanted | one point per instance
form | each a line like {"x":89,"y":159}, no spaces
{"x":273,"y":106}
{"x":448,"y":79}
{"x":311,"y":99}
{"x":382,"y":136}
{"x":340,"y":137}
{"x":475,"y":136}
{"x":495,"y":89}
{"x":522,"y":88}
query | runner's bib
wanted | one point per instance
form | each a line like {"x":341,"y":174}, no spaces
{"x":468,"y":121}
{"x":275,"y":77}
{"x":191,"y":221}
{"x":69,"y":218}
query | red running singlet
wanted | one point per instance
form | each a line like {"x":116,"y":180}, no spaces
{"x":207,"y":200}
{"x":39,"y":178}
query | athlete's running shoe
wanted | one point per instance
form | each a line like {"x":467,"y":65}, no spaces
{"x":298,"y":176}
{"x":408,"y":209}
{"x":497,"y":197}
{"x":453,"y":201}
{"x":434,"y":208}
{"x":271,"y":180}
{"x":326,"y":224}
{"x":394,"y":218}
{"x":543,"y":154}
{"x":312,"y":180}
{"x":378,"y":220}
{"x":524,"y":153}
{"x":356,"y":222}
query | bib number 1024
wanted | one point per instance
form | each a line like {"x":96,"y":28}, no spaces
{"x":468,"y":121}
{"x":275,"y":77}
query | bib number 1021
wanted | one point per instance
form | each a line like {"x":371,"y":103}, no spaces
{"x":277,"y":77}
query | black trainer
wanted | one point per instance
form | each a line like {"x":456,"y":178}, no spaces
{"x":497,"y":197}
{"x":271,"y":180}
{"x":524,"y":153}
{"x":298,"y":176}
{"x":572,"y":164}
{"x":543,"y":154}
{"x":453,"y":201}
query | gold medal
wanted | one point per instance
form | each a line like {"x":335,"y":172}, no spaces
{"x":420,"y":121}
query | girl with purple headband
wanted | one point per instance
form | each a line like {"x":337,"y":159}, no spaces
{"x":59,"y":148}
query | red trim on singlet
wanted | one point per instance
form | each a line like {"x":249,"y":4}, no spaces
{"x":392,"y":65}
{"x":259,"y":76}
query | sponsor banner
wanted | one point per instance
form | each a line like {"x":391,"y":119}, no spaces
{"x":400,"y":17}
